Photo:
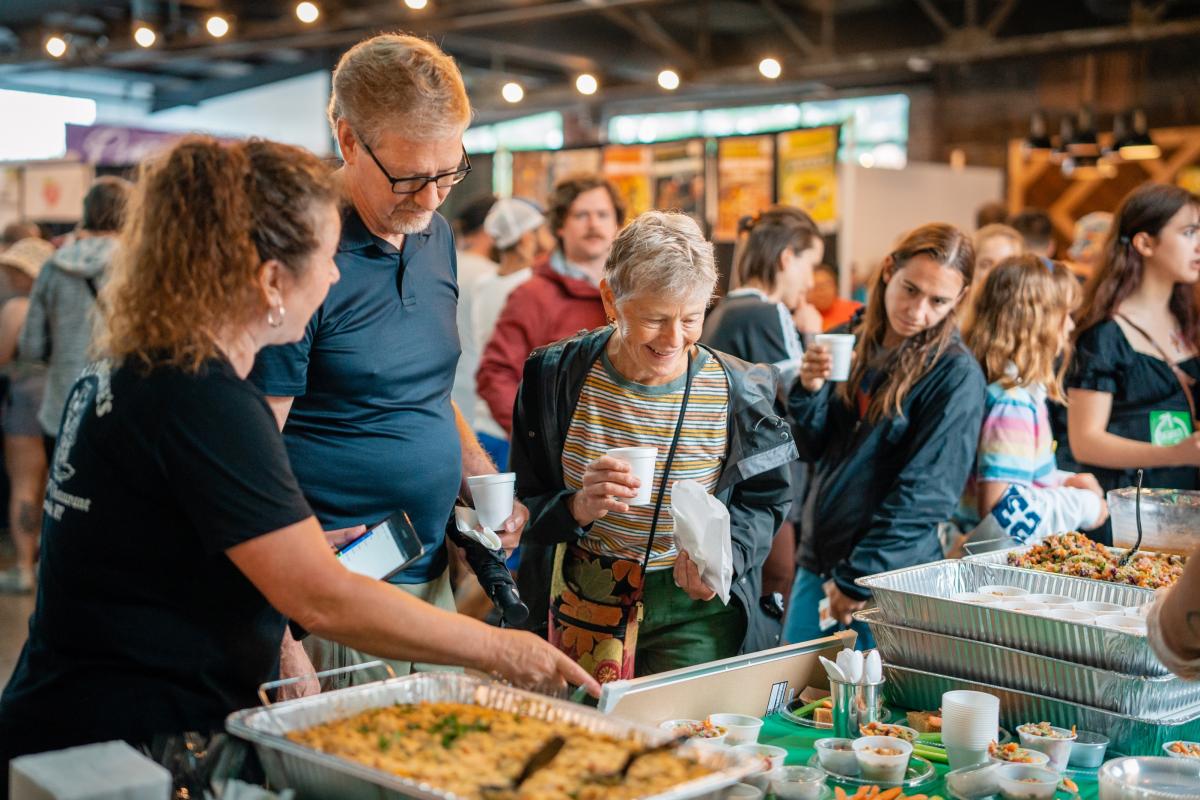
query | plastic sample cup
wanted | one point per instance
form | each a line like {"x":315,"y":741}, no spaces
{"x":840,"y":345}
{"x":641,"y":460}
{"x":493,"y":496}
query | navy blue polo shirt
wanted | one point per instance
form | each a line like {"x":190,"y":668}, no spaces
{"x":371,"y":430}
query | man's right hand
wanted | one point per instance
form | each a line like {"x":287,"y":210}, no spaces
{"x":343,"y":536}
{"x":605,"y":481}
{"x":529,"y":662}
{"x":816,"y":367}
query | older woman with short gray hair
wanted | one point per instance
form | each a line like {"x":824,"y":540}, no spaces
{"x":592,"y":405}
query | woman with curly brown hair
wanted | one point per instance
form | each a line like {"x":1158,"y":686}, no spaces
{"x":177,"y":541}
{"x":893,"y":445}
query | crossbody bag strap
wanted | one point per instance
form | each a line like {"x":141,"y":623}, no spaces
{"x":1185,"y":381}
{"x":662,"y":486}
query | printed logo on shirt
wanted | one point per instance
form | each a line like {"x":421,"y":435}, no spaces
{"x":1014,"y":516}
{"x":93,"y":384}
{"x":1169,"y":427}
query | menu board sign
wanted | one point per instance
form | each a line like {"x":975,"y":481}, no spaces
{"x":745,"y":181}
{"x":628,"y":168}
{"x":807,"y":172}
{"x":679,"y":178}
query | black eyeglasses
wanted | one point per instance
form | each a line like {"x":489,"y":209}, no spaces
{"x":415,"y":183}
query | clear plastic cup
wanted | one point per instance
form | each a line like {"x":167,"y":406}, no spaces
{"x":1051,"y":599}
{"x":1057,"y":747}
{"x":1002,"y":591}
{"x":739,"y":728}
{"x":837,"y":756}
{"x":798,"y":783}
{"x":1019,"y":782}
{"x":1133,"y":625}
{"x":976,"y":598}
{"x":881,"y":758}
{"x":1098,"y":609}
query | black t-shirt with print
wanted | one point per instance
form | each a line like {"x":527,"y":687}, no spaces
{"x":143,"y":625}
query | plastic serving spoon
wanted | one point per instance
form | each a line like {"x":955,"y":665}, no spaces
{"x":832,"y":669}
{"x":873,"y":671}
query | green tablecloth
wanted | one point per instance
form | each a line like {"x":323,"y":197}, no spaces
{"x":799,"y":741}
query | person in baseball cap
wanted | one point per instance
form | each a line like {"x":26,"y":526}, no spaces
{"x":510,"y":218}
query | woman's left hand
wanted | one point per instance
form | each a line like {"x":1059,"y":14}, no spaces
{"x":687,"y":577}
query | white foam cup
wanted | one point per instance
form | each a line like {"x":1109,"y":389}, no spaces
{"x":641,"y":460}
{"x":493,"y":496}
{"x":840,"y":345}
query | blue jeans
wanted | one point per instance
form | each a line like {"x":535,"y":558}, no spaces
{"x":801,"y":623}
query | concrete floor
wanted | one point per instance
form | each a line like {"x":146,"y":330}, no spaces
{"x":14,"y":618}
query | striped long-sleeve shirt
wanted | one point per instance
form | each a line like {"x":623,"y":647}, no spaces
{"x":614,"y":412}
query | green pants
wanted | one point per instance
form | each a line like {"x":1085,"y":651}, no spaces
{"x":328,"y":655}
{"x":677,"y":631}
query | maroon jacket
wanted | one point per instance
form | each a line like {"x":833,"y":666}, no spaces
{"x":544,"y":309}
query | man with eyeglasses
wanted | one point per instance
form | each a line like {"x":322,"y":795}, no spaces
{"x":364,"y":399}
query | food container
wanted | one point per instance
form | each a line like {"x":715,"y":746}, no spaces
{"x":1135,"y":626}
{"x":1170,"y":519}
{"x":739,"y":728}
{"x":875,"y":766}
{"x":893,"y":731}
{"x":770,"y":753}
{"x":909,"y":688}
{"x":696,"y":729}
{"x":1024,"y":606}
{"x":1099,"y":609}
{"x":798,"y":783}
{"x":974,"y":783}
{"x":761,"y":779}
{"x":1149,"y":779}
{"x":1036,"y":759}
{"x":311,"y":773}
{"x":919,"y":597}
{"x":1050,"y":599}
{"x":1067,"y":614}
{"x":837,"y":755}
{"x":1088,"y":749}
{"x":1136,"y":696}
{"x":1167,"y":749}
{"x":1019,"y":782}
{"x":1057,"y":747}
{"x":744,"y":791}
{"x":1002,"y":591}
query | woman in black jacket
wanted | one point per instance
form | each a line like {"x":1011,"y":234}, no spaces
{"x":644,"y":382}
{"x":894,"y":444}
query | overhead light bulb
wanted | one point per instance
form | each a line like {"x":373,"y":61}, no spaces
{"x":1139,"y":146}
{"x":416,"y":5}
{"x":586,"y":84}
{"x":56,"y":46}
{"x":668,"y":79}
{"x":770,"y":68}
{"x":216,"y":26}
{"x":145,"y":36}
{"x":512,"y":92}
{"x":307,"y":12}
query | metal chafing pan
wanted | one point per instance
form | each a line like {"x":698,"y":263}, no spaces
{"x":1134,"y":695}
{"x":320,"y":776}
{"x":920,"y":597}
{"x":916,"y":689}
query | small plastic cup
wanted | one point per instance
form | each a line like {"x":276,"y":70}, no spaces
{"x":798,"y":783}
{"x":1133,"y":625}
{"x":962,"y":757}
{"x":1019,"y":782}
{"x":641,"y":461}
{"x":1138,"y":611}
{"x":1036,"y":759}
{"x":976,"y":598}
{"x":775,"y":755}
{"x":1002,"y":591}
{"x":1057,"y":747}
{"x":1050,"y":599}
{"x":1068,"y":615}
{"x":1166,"y":748}
{"x":1023,"y":605}
{"x":694,"y":728}
{"x":493,"y":496}
{"x":1088,"y":750}
{"x":744,"y":791}
{"x":837,"y":756}
{"x":1098,"y":609}
{"x":883,"y":767}
{"x":739,"y":728}
{"x":840,"y":345}
{"x":976,"y":781}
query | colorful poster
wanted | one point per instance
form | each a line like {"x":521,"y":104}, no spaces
{"x":745,"y":181}
{"x":679,"y":178}
{"x":807,"y":172}
{"x":53,"y":191}
{"x":531,"y":176}
{"x":628,"y":169}
{"x":1189,"y":178}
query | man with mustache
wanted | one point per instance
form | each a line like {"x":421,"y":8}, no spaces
{"x":563,"y":296}
{"x":364,"y":398}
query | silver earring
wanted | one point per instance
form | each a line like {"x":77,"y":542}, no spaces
{"x":272,"y":321}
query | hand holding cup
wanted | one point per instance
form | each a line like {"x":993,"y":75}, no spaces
{"x":608,"y":485}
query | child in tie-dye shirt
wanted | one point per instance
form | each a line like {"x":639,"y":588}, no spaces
{"x":1021,"y":328}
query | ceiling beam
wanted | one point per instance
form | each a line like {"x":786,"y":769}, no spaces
{"x":936,"y":17}
{"x":1000,"y":16}
{"x":568,"y":63}
{"x":790,"y":29}
{"x":261,"y":75}
{"x":646,"y":28}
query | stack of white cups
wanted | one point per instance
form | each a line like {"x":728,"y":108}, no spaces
{"x":970,"y":721}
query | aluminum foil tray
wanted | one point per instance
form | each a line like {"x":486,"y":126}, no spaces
{"x":919,"y":597}
{"x":1133,"y":695}
{"x":915,"y":689}
{"x":320,"y":776}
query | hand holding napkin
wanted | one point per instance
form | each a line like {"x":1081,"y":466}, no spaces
{"x":702,"y":531}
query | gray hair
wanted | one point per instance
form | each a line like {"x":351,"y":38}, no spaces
{"x":402,"y":84}
{"x":664,"y":254}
